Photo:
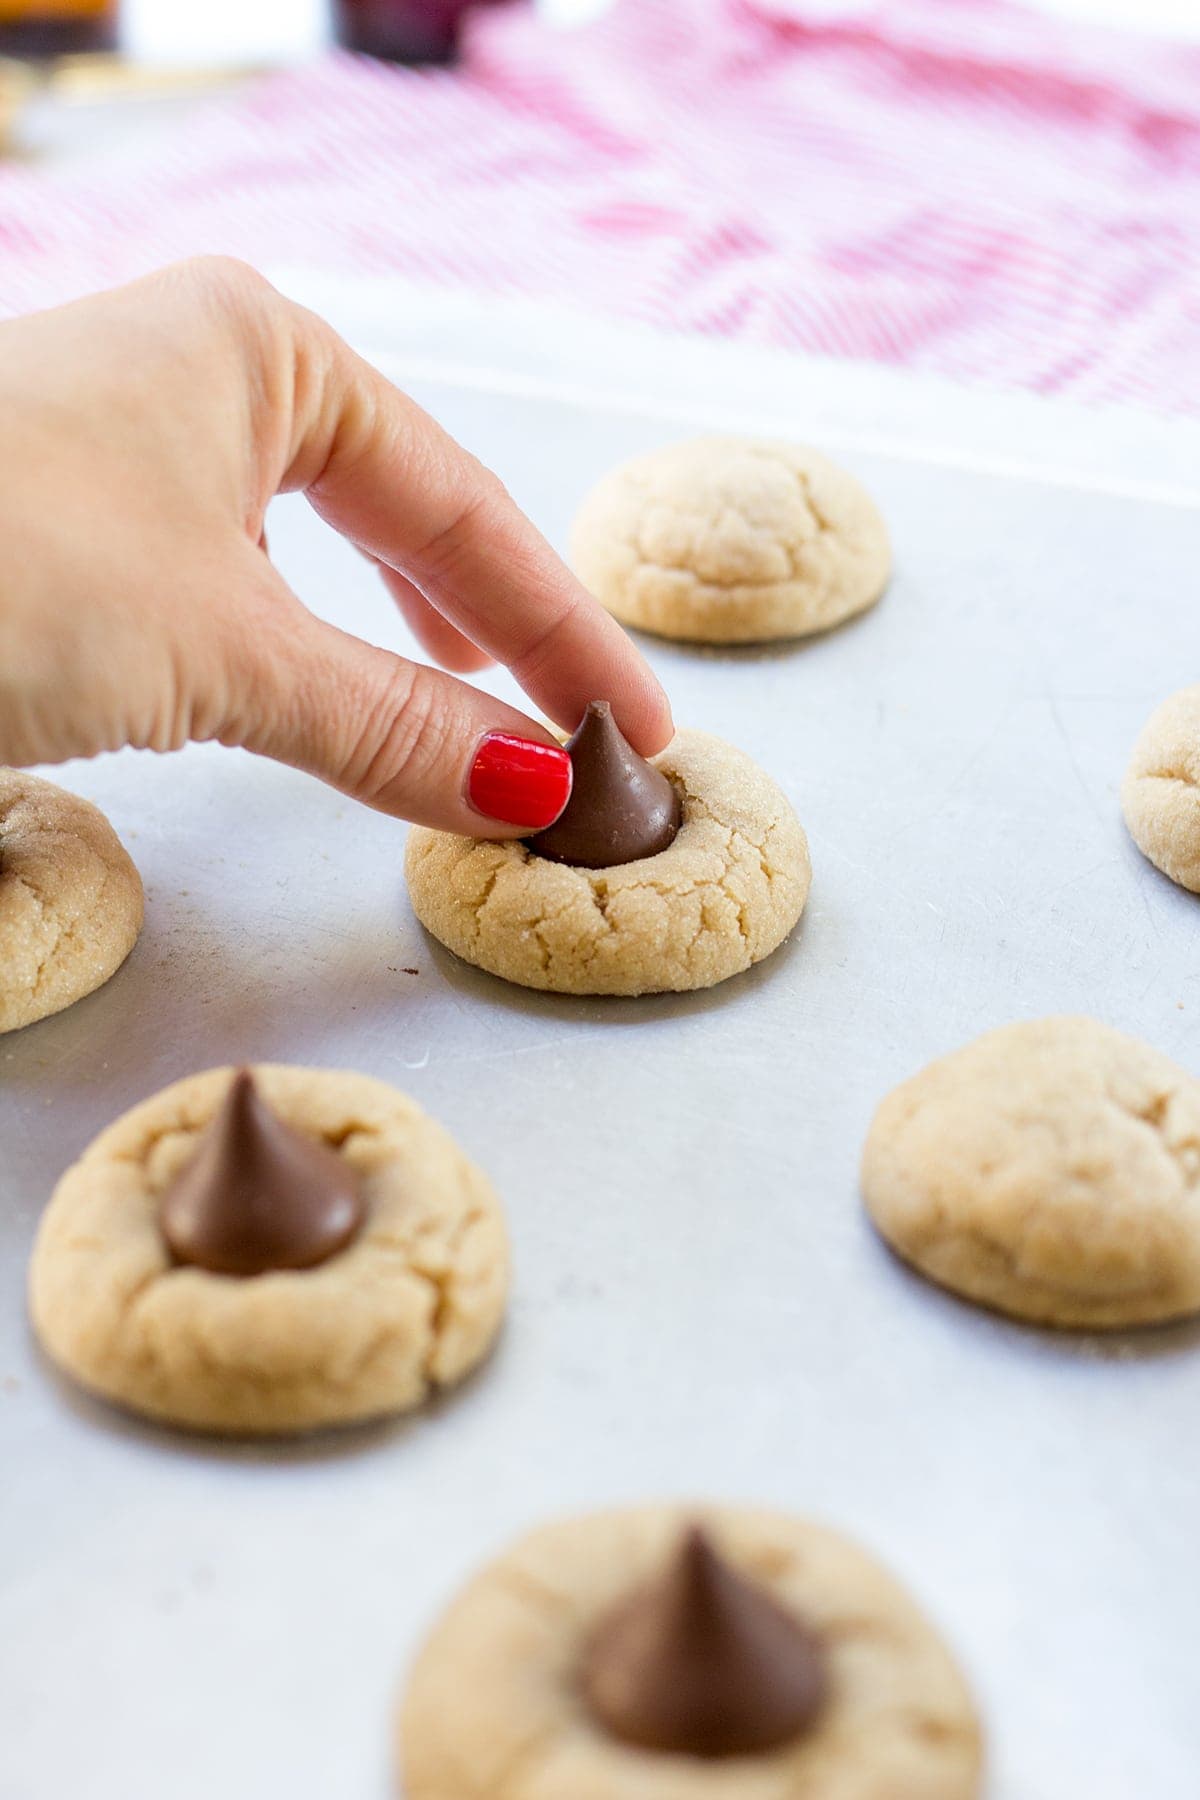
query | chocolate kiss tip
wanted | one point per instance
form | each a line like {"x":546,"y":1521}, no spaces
{"x":621,"y":808}
{"x":258,"y":1195}
{"x":702,"y":1662}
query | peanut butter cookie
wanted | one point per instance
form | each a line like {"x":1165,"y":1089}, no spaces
{"x":659,"y":1654}
{"x":252,"y":1333}
{"x":1161,"y":793}
{"x":1050,"y":1170}
{"x":70,"y":899}
{"x":726,"y":540}
{"x":721,"y":896}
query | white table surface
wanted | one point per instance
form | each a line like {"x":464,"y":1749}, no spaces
{"x":699,"y":1308}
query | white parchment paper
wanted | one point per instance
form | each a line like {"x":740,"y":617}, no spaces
{"x":699,"y":1307}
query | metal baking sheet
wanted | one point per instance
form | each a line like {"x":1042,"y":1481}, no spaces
{"x":699,"y":1306}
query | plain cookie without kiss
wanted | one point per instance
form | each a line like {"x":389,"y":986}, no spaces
{"x":727,"y":540}
{"x":71,"y":900}
{"x":1160,"y":796}
{"x":1050,"y":1170}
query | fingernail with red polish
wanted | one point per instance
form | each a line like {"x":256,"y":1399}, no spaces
{"x":518,"y":781}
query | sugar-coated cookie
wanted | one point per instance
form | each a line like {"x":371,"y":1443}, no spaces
{"x":507,"y":1696}
{"x":727,"y":540}
{"x":1050,"y":1170}
{"x":411,"y":1303}
{"x":70,"y":899}
{"x":1160,"y":796}
{"x":723,"y":895}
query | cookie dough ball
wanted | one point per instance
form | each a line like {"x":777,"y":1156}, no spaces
{"x":725,"y":540}
{"x":1161,"y":793}
{"x":722,"y":896}
{"x":498,"y":1699}
{"x":1050,"y":1170}
{"x":411,"y":1304}
{"x":70,"y":899}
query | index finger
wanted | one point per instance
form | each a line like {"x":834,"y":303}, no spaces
{"x":386,"y":475}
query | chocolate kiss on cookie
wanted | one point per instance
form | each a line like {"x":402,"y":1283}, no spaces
{"x":257,"y":1195}
{"x":621,"y":807}
{"x":701,"y":1662}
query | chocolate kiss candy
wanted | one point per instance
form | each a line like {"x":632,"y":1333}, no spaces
{"x":258,"y":1195}
{"x":621,"y":808}
{"x":701,"y":1662}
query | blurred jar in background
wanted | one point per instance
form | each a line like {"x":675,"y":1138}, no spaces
{"x":408,"y":31}
{"x":40,"y":28}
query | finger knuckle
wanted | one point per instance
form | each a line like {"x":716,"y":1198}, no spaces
{"x":227,"y":298}
{"x":473,"y":518}
{"x":227,"y":279}
{"x":403,"y":735}
{"x":542,"y":650}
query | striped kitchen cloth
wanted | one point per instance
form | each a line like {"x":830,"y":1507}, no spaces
{"x":962,"y":186}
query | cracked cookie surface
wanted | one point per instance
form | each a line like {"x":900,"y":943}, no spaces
{"x":494,"y":1709}
{"x":1050,"y":1170}
{"x":722,"y":896}
{"x":70,"y":899}
{"x":413,"y":1302}
{"x":726,"y":540}
{"x":1160,"y":796}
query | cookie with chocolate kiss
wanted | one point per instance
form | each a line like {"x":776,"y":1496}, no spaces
{"x":698,"y":1653}
{"x":270,"y":1251}
{"x":659,"y":877}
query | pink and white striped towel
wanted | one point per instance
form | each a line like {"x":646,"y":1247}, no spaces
{"x":961,"y":186}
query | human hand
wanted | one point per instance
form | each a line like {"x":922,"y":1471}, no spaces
{"x":142,"y":435}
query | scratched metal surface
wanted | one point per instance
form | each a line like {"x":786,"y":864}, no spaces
{"x":699,"y":1307}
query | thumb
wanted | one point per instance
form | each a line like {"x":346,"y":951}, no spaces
{"x":401,"y":737}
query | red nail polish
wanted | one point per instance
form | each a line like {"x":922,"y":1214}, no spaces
{"x":518,"y":781}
